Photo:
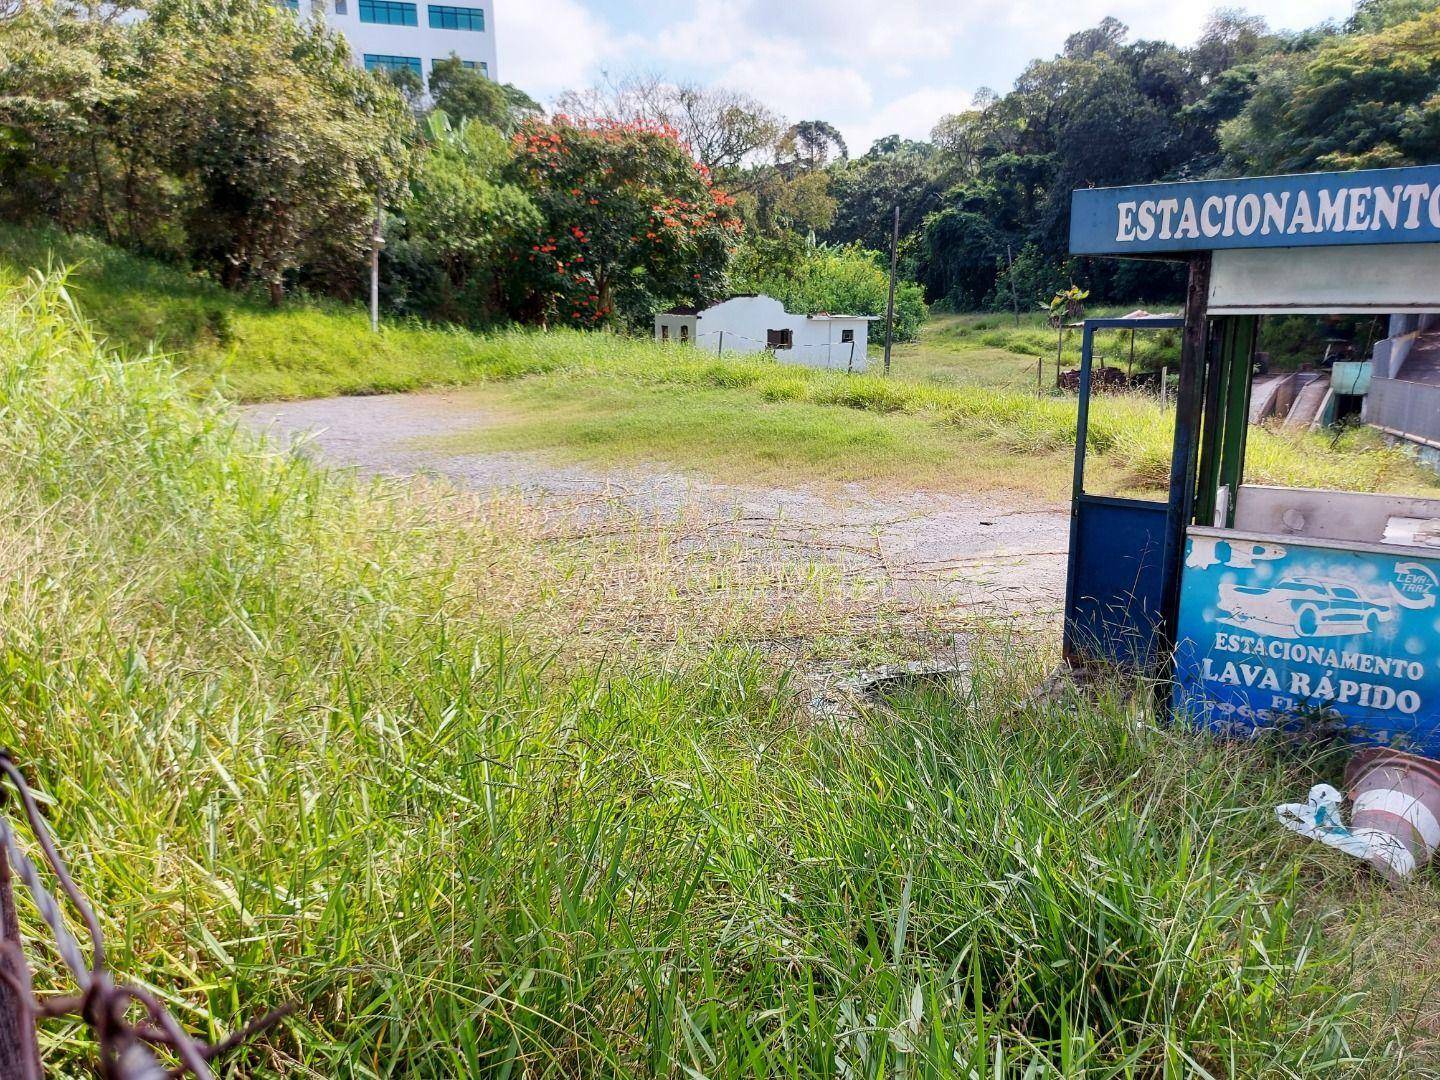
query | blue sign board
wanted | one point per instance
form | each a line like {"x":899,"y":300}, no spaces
{"x":1376,"y":206}
{"x":1289,"y":632}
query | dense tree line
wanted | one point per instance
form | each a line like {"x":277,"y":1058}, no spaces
{"x":241,"y":139}
{"x":985,"y":202}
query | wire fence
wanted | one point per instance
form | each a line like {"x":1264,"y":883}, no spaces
{"x":126,"y":1047}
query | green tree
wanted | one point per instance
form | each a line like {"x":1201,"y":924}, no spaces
{"x":1359,"y":101}
{"x":464,"y":93}
{"x":895,"y":172}
{"x":227,"y":132}
{"x":837,"y":280}
{"x":1230,"y":37}
{"x":773,"y":202}
{"x":629,"y":222}
{"x":959,"y":251}
{"x":961,"y":136}
{"x":1371,"y":16}
{"x":463,"y":211}
{"x":812,"y":144}
{"x":285,"y":145}
{"x":65,"y":85}
{"x":1106,"y":111}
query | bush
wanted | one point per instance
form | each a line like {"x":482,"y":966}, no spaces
{"x":831,"y":280}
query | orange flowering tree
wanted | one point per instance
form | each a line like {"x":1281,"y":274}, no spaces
{"x":630,"y":223}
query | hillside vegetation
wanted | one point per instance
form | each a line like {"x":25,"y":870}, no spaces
{"x":606,"y":397}
{"x":301,"y":742}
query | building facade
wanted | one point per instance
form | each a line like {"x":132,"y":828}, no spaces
{"x":414,"y":34}
{"x":752,"y":324}
{"x":1403,"y":395}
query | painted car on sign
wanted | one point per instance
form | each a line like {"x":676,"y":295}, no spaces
{"x":1305,"y":607}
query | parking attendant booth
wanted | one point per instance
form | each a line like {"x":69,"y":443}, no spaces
{"x":1266,"y":605}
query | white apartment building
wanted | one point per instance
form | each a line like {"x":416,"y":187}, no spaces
{"x":413,"y":33}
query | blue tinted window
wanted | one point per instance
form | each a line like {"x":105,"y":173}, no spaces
{"x":385,"y":62}
{"x":468,"y":65}
{"x":447,"y":17}
{"x":389,"y":12}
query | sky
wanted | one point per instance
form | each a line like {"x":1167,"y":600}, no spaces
{"x":870,"y":67}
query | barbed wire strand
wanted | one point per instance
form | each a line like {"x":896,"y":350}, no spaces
{"x":101,"y":1004}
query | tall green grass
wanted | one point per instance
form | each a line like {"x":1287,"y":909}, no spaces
{"x":293,"y":754}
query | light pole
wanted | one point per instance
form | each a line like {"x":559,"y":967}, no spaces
{"x":377,"y":241}
{"x":890,"y":303}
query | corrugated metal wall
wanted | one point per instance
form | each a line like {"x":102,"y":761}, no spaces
{"x":1405,"y":407}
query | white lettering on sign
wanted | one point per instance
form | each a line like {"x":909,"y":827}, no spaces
{"x":1331,"y":215}
{"x":1247,"y":215}
{"x":1330,"y":684}
{"x":1210,"y":216}
{"x":1363,"y":208}
{"x":1126,"y":231}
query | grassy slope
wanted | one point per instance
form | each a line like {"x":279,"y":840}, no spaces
{"x":260,"y":353}
{"x":303,"y":742}
{"x":608,"y":399}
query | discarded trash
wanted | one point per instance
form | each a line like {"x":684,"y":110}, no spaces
{"x":840,"y":696}
{"x":1319,"y":819}
{"x":1394,"y":812}
{"x":1397,"y":794}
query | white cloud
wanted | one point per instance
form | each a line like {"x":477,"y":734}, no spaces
{"x":548,"y":45}
{"x":872,"y":69}
{"x":910,"y":117}
{"x":800,"y":88}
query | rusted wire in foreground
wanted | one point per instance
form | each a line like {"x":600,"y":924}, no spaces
{"x":104,"y":1005}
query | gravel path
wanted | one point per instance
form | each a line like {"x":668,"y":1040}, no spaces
{"x":987,"y":553}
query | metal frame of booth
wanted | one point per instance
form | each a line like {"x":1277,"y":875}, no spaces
{"x":1113,"y":599}
{"x":1128,"y":556}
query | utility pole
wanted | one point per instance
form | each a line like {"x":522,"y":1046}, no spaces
{"x":890,"y":304}
{"x":377,"y":241}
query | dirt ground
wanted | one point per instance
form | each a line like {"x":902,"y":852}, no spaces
{"x":981,"y":555}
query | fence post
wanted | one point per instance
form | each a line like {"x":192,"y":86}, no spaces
{"x":19,"y":1050}
{"x":720,"y":348}
{"x":1164,"y":387}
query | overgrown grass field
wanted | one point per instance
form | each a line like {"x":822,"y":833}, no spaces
{"x":963,"y":420}
{"x":996,"y":349}
{"x":391,"y":756}
{"x":990,"y":349}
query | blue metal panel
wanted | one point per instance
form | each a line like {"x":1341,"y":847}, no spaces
{"x":1278,"y":631}
{"x":1112,"y":609}
{"x":1375,"y":206}
{"x":1114,"y":585}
